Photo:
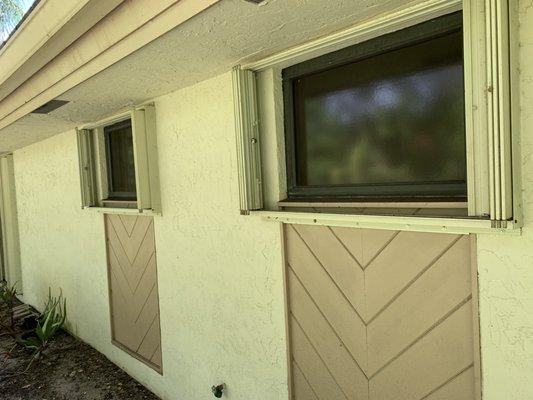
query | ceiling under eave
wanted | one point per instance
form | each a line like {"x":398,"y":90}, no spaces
{"x":207,"y":45}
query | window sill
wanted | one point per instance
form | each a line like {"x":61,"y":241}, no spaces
{"x":119,"y":203}
{"x":124,"y":211}
{"x":375,"y":204}
{"x":401,"y":223}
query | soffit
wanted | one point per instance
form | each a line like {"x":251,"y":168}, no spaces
{"x":207,"y":45}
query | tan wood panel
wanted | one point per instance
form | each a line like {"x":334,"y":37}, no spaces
{"x":134,"y":298}
{"x":300,"y":386}
{"x":365,"y":244}
{"x":151,"y":341}
{"x":329,"y":299}
{"x":129,"y":278}
{"x":129,"y":223}
{"x":132,"y":244}
{"x":313,"y":367}
{"x":420,"y":341}
{"x":445,"y":286}
{"x":458,"y":388}
{"x":430,"y":362}
{"x":326,"y":342}
{"x":338,"y":262}
{"x":157,"y":356}
{"x":399,"y":263}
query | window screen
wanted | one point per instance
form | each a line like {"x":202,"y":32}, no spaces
{"x":120,"y":161}
{"x":382,"y":118}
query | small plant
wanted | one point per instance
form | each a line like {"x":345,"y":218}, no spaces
{"x":8,"y":294}
{"x":49,"y":323}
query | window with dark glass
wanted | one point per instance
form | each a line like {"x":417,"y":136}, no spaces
{"x":384,"y":118}
{"x":120,"y":161}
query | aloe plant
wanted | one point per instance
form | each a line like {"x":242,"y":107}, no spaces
{"x":50,"y":322}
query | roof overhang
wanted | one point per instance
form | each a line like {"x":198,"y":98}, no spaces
{"x":61,"y":44}
{"x":49,"y":28}
{"x":144,"y":49}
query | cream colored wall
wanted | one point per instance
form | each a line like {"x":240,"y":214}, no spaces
{"x":506,"y":266}
{"x":220,"y":275}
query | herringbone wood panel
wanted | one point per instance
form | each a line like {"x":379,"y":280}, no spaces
{"x":380,"y":315}
{"x":133,"y":290}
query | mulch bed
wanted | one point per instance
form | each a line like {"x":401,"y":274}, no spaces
{"x":69,"y":370}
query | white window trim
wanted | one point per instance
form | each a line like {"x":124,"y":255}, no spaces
{"x":494,"y":202}
{"x":248,"y":151}
{"x":9,"y":224}
{"x":397,"y":223}
{"x":93,"y":174}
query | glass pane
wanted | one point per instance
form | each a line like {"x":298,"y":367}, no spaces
{"x":394,"y":118}
{"x":121,"y":168}
{"x":11,"y":15}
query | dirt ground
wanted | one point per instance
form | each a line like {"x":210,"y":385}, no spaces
{"x":69,"y":370}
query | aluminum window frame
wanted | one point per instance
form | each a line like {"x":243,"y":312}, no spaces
{"x":492,"y":114}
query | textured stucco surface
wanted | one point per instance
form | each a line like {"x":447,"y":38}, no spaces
{"x":219,"y":273}
{"x":505,"y":266}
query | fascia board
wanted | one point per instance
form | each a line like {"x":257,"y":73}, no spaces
{"x":49,"y":29}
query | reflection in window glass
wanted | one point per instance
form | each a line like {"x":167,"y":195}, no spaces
{"x":395,"y":118}
{"x":11,"y":14}
{"x":120,"y":161}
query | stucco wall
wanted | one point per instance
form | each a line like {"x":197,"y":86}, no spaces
{"x":220,"y":276}
{"x":505,"y":265}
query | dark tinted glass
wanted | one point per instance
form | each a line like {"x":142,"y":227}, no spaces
{"x":120,"y":161}
{"x":396,"y":118}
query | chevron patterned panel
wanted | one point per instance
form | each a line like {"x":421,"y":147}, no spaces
{"x":380,"y":315}
{"x":133,"y":290}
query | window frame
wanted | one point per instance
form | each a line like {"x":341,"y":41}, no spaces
{"x":492,"y":120}
{"x":407,"y":37}
{"x":94,"y":167}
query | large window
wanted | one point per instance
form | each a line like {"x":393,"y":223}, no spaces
{"x":381,"y":119}
{"x":120,"y":161}
{"x":415,"y":116}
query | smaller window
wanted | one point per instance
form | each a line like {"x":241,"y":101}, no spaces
{"x":120,"y":161}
